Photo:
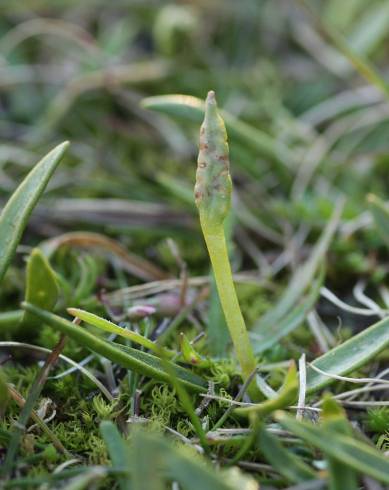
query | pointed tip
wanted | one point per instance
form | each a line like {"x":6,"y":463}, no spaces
{"x":211,"y":97}
{"x":210,"y":106}
{"x":61,"y":148}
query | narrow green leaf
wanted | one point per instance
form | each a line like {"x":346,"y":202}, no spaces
{"x":193,"y":109}
{"x":349,"y":356}
{"x":16,"y":212}
{"x":136,"y":360}
{"x":108,"y":326}
{"x":41,"y":286}
{"x":117,"y":450}
{"x":283,"y":460}
{"x":354,"y":453}
{"x":335,"y":420}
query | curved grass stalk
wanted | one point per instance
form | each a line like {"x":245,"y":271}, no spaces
{"x":213,"y":199}
{"x":108,"y":326}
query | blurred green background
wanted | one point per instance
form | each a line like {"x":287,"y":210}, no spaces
{"x":79,"y":70}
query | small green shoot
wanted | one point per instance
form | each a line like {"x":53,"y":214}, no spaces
{"x":213,"y":199}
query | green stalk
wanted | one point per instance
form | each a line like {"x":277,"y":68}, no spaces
{"x":217,"y":249}
{"x":213,"y":199}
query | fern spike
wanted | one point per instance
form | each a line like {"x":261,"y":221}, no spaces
{"x":213,"y":199}
{"x":213,"y":182}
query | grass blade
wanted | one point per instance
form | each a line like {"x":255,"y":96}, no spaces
{"x":335,"y":420}
{"x":284,"y":461}
{"x":16,"y":212}
{"x":371,"y":30}
{"x":354,"y":453}
{"x":117,"y":449}
{"x":349,"y":356}
{"x":140,"y":362}
{"x":108,"y":326}
{"x":190,"y":472}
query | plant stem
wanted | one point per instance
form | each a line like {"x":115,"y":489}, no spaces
{"x":217,"y":249}
{"x":213,"y":199}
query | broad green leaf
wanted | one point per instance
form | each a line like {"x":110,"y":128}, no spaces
{"x":117,"y":450}
{"x":16,"y":212}
{"x":335,"y":420}
{"x":349,"y":356}
{"x":41,"y":286}
{"x":354,"y":453}
{"x":108,"y":326}
{"x":283,"y":460}
{"x":193,"y":109}
{"x":300,"y":280}
{"x":136,"y":360}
